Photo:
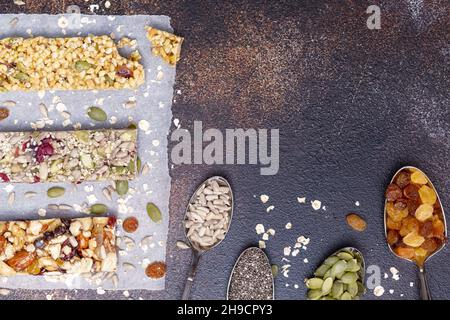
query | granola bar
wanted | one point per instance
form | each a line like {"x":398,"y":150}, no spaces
{"x":56,"y":246}
{"x":165,"y":45}
{"x":91,"y":62}
{"x":71,"y":156}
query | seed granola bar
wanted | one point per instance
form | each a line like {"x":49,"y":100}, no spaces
{"x":91,"y":62}
{"x":165,"y":45}
{"x":73,"y":156}
{"x":57,"y":246}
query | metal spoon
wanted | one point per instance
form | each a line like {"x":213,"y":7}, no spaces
{"x":424,"y":289}
{"x":237,"y":262}
{"x":197,"y":252}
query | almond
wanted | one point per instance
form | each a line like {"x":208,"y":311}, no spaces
{"x":21,"y":260}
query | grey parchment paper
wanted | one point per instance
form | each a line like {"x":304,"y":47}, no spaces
{"x":152,"y":115}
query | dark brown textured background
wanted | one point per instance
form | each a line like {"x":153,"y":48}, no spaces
{"x":352,"y":106}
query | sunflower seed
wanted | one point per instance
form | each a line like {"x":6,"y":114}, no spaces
{"x":30,"y":194}
{"x":11,"y":198}
{"x":97,"y":114}
{"x":182,"y":245}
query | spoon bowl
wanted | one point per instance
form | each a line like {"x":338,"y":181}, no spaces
{"x":198,"y":251}
{"x":424,"y":291}
{"x":267,"y":262}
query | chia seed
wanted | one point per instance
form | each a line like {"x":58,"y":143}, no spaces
{"x":252,"y":277}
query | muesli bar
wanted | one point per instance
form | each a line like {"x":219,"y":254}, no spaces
{"x":93,"y":62}
{"x":165,"y":45}
{"x":68,"y":156}
{"x":58,"y":246}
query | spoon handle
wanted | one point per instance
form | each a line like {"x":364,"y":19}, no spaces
{"x":191,"y":276}
{"x":424,"y":291}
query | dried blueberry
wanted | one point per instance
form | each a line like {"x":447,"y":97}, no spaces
{"x":48,"y":236}
{"x":65,"y":222}
{"x":39,"y":243}
{"x":59,"y":230}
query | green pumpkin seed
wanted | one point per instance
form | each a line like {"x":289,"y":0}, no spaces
{"x":22,"y":76}
{"x":132,"y":126}
{"x":82,"y":136}
{"x":55,"y":192}
{"x":330,"y":261}
{"x":346,"y":296}
{"x":153,"y":212}
{"x":97,"y":114}
{"x":349,"y":277}
{"x":82,"y":65}
{"x":338,"y":268}
{"x":314,"y":294}
{"x":321,"y":270}
{"x":122,"y":187}
{"x":326,"y":286}
{"x":352,"y":288}
{"x":337,"y":290}
{"x":98,"y":209}
{"x":344,"y":256}
{"x":328,"y":274}
{"x":353,"y":265}
{"x":314,"y":283}
{"x":326,"y":298}
{"x":274,"y":268}
{"x":138,"y":165}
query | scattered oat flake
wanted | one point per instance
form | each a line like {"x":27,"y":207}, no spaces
{"x":42,"y":212}
{"x":288,"y":225}
{"x":262,"y":244}
{"x":305,"y":260}
{"x":4,"y":292}
{"x":287,"y":251}
{"x":378,"y":291}
{"x":100,"y":290}
{"x":391,"y":291}
{"x":259,"y":228}
{"x":19,"y":2}
{"x":316,"y":204}
{"x":411,"y":284}
{"x":301,"y":200}
{"x":264,"y":198}
{"x":357,"y":203}
{"x":270,"y":208}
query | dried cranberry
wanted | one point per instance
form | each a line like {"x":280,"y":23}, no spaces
{"x":44,"y":149}
{"x":59,"y":231}
{"x":48,"y":236}
{"x":36,"y":179}
{"x":112,"y":221}
{"x":65,"y":222}
{"x":124,"y":72}
{"x":4,"y":177}
{"x":25,"y":145}
{"x":401,"y":204}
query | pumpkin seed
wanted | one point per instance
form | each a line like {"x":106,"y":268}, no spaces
{"x":97,"y":114}
{"x":138,"y":165}
{"x":153,"y":212}
{"x":353,"y":266}
{"x":22,"y":76}
{"x":274,"y":268}
{"x":82,"y":65}
{"x":346,"y":296}
{"x":55,"y":192}
{"x":132,"y":126}
{"x":349,"y":277}
{"x":122,"y":187}
{"x":98,"y":209}
{"x":326,"y":286}
{"x":330,"y":261}
{"x":314,"y":283}
{"x":337,"y":290}
{"x":338,"y":268}
{"x":320,"y":272}
{"x":345,"y":256}
{"x":352,"y":288}
{"x":314,"y":294}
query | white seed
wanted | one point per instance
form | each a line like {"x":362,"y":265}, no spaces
{"x":182,"y":245}
{"x":30,"y":194}
{"x":43,"y":109}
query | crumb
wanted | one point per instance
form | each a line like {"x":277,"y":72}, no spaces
{"x":316,"y":204}
{"x":264,"y":198}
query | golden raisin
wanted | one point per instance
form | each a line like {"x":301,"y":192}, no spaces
{"x":393,"y":192}
{"x":395,"y":214}
{"x":427,"y":195}
{"x":418,"y":177}
{"x":407,"y":253}
{"x":409,"y":224}
{"x":430,"y":244}
{"x":424,"y":212}
{"x":392,"y":237}
{"x":403,"y":179}
{"x":156,"y":270}
{"x":391,"y":224}
{"x":4,"y":113}
{"x":356,"y":222}
{"x":130,"y":224}
{"x":413,"y":239}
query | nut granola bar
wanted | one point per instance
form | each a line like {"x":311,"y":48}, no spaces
{"x":91,"y":62}
{"x":165,"y":45}
{"x":72,"y":156}
{"x":58,"y":246}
